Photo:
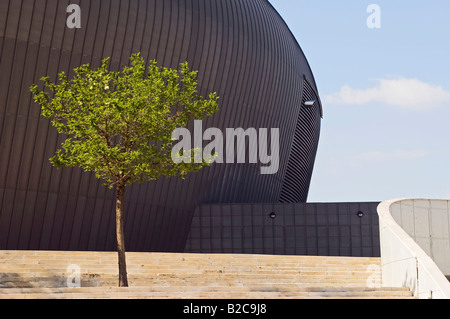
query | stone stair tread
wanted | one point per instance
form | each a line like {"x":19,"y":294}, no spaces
{"x":42,"y":274}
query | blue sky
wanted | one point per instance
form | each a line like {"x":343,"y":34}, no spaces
{"x":385,"y":94}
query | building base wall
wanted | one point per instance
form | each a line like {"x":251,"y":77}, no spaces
{"x":325,"y":229}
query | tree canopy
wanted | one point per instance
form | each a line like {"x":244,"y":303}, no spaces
{"x":119,"y":124}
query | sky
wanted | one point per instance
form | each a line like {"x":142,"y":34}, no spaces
{"x":384,"y":82}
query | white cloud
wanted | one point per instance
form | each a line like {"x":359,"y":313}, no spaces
{"x":401,"y":92}
{"x":399,"y":155}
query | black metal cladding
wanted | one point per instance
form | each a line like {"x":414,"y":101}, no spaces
{"x":243,"y":51}
{"x":300,"y":167}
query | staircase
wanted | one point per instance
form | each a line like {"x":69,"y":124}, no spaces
{"x":44,"y":274}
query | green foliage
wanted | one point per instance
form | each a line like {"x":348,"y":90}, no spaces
{"x":119,"y":124}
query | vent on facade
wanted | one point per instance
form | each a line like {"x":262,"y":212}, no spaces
{"x":303,"y":150}
{"x":310,"y":103}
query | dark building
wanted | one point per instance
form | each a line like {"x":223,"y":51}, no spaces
{"x":318,"y":229}
{"x":242,"y":49}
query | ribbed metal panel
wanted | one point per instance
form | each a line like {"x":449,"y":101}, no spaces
{"x":303,"y":150}
{"x":243,"y":51}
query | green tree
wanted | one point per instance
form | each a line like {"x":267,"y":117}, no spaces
{"x":119,"y":125}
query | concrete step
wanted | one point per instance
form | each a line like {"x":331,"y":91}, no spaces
{"x":186,"y":258}
{"x":183,"y":288}
{"x":43,"y":274}
{"x":183,"y":272}
{"x":184,"y":292}
{"x":136,"y":281}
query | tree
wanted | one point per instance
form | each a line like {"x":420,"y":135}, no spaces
{"x":119,"y":125}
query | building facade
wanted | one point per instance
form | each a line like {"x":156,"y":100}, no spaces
{"x":242,"y":50}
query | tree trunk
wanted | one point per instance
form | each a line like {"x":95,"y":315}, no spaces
{"x":120,"y":192}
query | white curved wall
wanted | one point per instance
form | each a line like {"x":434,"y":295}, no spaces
{"x":415,"y":245}
{"x":428,"y":223}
